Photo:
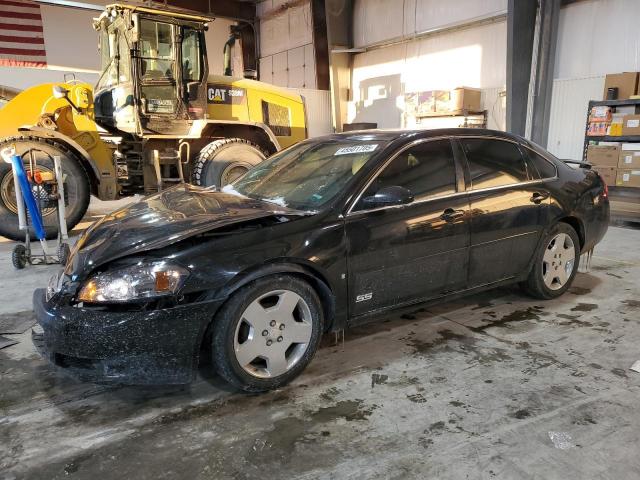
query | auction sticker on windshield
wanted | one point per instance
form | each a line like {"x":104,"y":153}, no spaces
{"x":356,"y":149}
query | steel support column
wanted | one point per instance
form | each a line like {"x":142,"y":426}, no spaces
{"x":320,"y":44}
{"x":521,"y":24}
{"x":543,"y":84}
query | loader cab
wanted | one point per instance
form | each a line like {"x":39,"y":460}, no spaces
{"x":154,"y":72}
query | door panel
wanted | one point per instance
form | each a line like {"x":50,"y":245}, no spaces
{"x":506,"y":209}
{"x":402,"y":254}
{"x":505,"y":228}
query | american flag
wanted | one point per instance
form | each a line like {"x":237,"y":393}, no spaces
{"x":21,"y":35}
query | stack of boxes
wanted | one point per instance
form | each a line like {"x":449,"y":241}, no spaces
{"x":629,"y":165}
{"x":604,"y":158}
{"x":617,"y":163}
{"x":599,"y":121}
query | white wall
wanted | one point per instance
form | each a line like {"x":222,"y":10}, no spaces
{"x":287,"y":56}
{"x":595,"y":37}
{"x":569,"y":105}
{"x":379,"y":20}
{"x":474,"y":57}
{"x":318,"y":104}
{"x":72,"y":47}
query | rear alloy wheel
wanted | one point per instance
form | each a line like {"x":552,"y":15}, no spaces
{"x":267,"y":333}
{"x":40,"y":152}
{"x":224,"y":161}
{"x":556,"y":263}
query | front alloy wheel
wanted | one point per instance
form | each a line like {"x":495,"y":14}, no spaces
{"x":273,"y":334}
{"x":267,"y":332}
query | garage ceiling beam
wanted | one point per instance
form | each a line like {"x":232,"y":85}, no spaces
{"x":229,"y":9}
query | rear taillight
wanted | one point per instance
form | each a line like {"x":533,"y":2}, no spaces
{"x":605,"y":189}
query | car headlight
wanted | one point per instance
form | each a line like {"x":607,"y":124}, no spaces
{"x":138,"y":282}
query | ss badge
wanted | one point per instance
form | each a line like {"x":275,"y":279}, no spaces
{"x":364,"y":297}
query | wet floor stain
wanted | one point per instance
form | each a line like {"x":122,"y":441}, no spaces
{"x":278,"y":444}
{"x":579,"y":291}
{"x":573,"y":320}
{"x":521,"y":414}
{"x":619,"y":372}
{"x":584,"y":307}
{"x":632,"y":303}
{"x":530,"y":313}
{"x":378,"y":379}
{"x":417,"y":398}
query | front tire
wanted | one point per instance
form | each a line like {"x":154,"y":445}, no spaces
{"x":77,"y":187}
{"x":225,"y":160}
{"x":267,"y":333}
{"x":556,"y":263}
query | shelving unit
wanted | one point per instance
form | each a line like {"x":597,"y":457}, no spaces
{"x":482,"y":114}
{"x":624,"y":201}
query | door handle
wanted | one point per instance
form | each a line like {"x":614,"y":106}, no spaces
{"x":537,"y":197}
{"x":450,"y":214}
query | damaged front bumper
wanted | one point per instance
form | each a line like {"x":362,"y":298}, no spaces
{"x":124,"y":347}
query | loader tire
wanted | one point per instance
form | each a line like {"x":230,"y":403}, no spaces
{"x":77,"y":186}
{"x":225,"y":160}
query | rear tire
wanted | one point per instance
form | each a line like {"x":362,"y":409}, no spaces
{"x":267,"y":333}
{"x":555,"y":264}
{"x":77,"y":186}
{"x":225,"y":160}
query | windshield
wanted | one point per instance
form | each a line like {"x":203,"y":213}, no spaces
{"x":156,"y":50}
{"x":114,"y":55}
{"x":308,"y":175}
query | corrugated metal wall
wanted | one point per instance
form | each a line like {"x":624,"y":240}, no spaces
{"x":287,"y":57}
{"x":474,"y":57}
{"x":597,"y":37}
{"x":569,"y":114}
{"x":318,"y":104}
{"x":379,"y":20}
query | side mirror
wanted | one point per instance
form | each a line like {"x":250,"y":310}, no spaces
{"x":387,"y":196}
{"x":60,"y":92}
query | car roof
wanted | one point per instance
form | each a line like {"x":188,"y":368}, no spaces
{"x":397,"y":134}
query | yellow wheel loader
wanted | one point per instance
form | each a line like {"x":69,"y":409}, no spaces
{"x":155,"y":118}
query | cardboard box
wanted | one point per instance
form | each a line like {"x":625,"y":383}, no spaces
{"x":600,"y":114}
{"x":615,"y":129}
{"x":464,"y":98}
{"x":608,"y":174}
{"x":627,"y":84}
{"x":629,"y":158}
{"x":628,"y":178}
{"x":603,"y":155}
{"x":597,"y":129}
{"x":631,"y":125}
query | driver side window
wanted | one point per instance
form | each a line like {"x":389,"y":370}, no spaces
{"x":426,"y":170}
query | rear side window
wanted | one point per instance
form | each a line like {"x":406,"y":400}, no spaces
{"x":494,"y":163}
{"x":426,"y":170}
{"x":544,"y":167}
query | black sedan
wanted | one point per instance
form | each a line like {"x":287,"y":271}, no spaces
{"x":327,"y":234}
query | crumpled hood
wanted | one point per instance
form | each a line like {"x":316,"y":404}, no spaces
{"x":162,"y":219}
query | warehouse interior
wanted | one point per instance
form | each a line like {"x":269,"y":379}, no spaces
{"x":493,"y":385}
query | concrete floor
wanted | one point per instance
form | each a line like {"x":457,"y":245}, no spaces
{"x":496,"y":386}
